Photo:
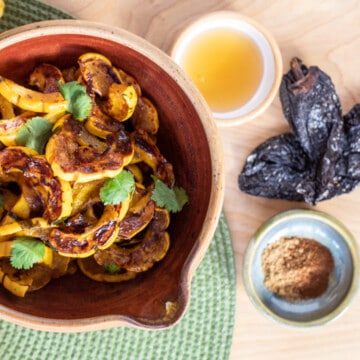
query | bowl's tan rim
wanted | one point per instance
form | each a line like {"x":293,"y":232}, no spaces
{"x":226,"y":14}
{"x":304,"y":213}
{"x":124,"y":37}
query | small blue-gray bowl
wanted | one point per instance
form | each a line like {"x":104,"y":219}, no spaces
{"x":343,"y":282}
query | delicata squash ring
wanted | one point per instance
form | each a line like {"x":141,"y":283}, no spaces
{"x":70,"y":160}
{"x":26,"y":168}
{"x":54,"y":196}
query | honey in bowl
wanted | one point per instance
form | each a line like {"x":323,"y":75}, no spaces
{"x":226,"y":66}
{"x":233,"y":62}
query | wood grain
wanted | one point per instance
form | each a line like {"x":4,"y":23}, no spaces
{"x":325,"y":33}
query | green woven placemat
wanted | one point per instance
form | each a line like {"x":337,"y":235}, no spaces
{"x":21,"y":12}
{"x":204,"y":333}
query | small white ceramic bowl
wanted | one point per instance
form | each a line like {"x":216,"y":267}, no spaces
{"x":343,"y":281}
{"x":270,"y":56}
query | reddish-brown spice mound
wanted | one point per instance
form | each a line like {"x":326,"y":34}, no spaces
{"x":297,"y":268}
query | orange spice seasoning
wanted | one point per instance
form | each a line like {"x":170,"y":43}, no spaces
{"x":297,"y":268}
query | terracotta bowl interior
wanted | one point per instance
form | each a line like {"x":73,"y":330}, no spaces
{"x":141,"y":302}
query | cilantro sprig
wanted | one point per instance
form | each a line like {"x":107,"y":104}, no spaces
{"x":25,"y":252}
{"x":34,"y":134}
{"x":172,"y":198}
{"x":111,"y":268}
{"x":116,"y":190}
{"x":37,"y":131}
{"x":79,"y":102}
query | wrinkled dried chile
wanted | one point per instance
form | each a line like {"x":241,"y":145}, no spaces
{"x":320,"y":157}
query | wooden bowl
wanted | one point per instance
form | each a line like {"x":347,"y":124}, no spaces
{"x":187,"y":137}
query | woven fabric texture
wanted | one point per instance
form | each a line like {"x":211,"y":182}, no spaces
{"x":21,"y":12}
{"x":204,"y":333}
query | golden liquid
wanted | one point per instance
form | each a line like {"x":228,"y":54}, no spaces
{"x":226,"y":66}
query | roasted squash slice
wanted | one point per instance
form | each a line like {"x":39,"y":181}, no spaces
{"x":145,"y":116}
{"x":10,"y":127}
{"x":94,"y":271}
{"x":98,"y":73}
{"x":141,"y":257}
{"x":96,"y":236}
{"x":5,"y":251}
{"x":28,"y":203}
{"x":14,"y":287}
{"x":121,"y":101}
{"x":6,"y":108}
{"x":139,"y":215}
{"x":146,"y":151}
{"x":8,"y":199}
{"x":19,"y":282}
{"x":60,"y":265}
{"x":85,"y":193}
{"x":36,"y":227}
{"x":100,"y":124}
{"x":71,"y":74}
{"x":65,"y":155}
{"x":127,"y":79}
{"x":119,"y":98}
{"x":24,"y":166}
{"x":136,"y":172}
{"x":46,"y":77}
{"x":31,"y":100}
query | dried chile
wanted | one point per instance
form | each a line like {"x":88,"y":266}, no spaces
{"x":320,"y":157}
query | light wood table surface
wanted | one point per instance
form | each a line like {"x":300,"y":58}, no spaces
{"x":324,"y":33}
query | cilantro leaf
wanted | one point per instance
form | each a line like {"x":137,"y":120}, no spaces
{"x":111,"y":268}
{"x":116,"y":190}
{"x":34,"y":134}
{"x":79,"y":102}
{"x":171,"y":198}
{"x":25,"y":252}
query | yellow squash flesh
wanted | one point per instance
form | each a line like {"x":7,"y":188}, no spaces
{"x":121,"y":102}
{"x":10,"y":127}
{"x":65,"y":154}
{"x":31,"y":100}
{"x":98,"y":236}
{"x":6,"y":108}
{"x":94,"y":271}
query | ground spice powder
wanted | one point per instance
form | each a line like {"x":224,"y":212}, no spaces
{"x":297,"y":268}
